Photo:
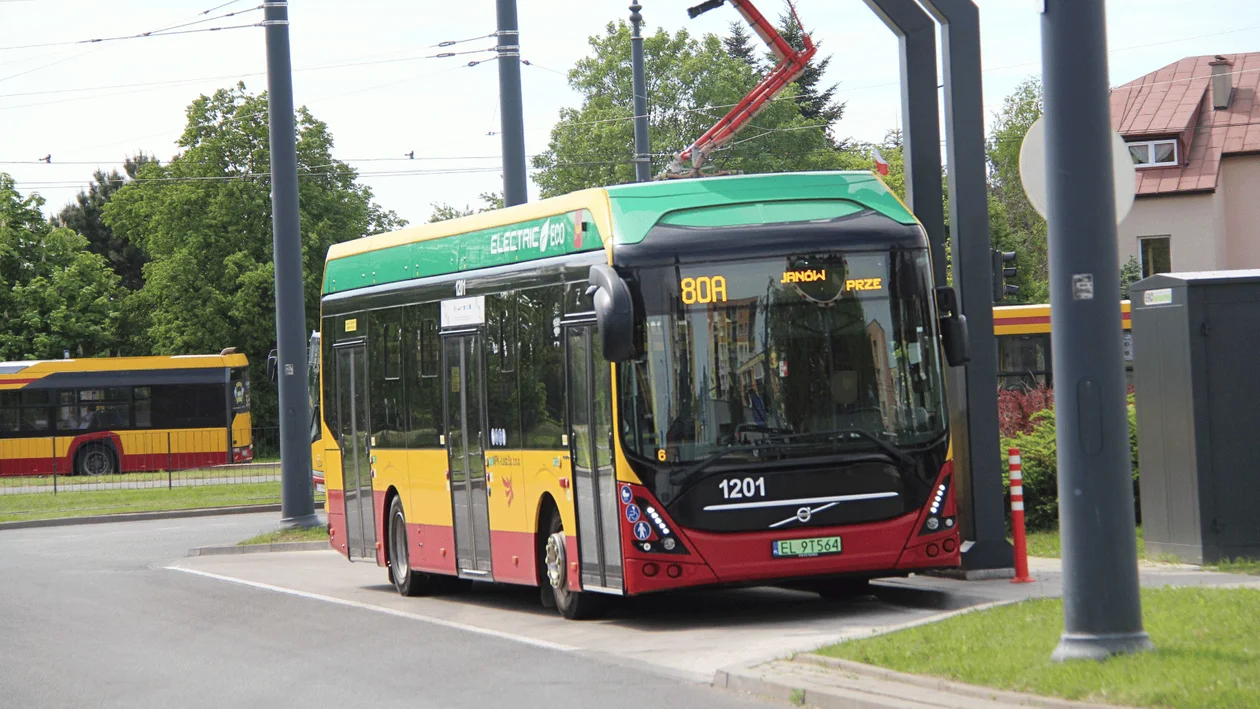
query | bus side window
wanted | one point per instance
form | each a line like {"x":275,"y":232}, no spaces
{"x":420,"y":365}
{"x":540,"y":366}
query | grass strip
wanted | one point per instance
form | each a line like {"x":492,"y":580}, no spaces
{"x":81,"y":503}
{"x":1046,"y":544}
{"x":297,"y":534}
{"x":1207,"y":651}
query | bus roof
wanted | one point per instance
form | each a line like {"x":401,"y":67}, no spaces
{"x":17,"y":374}
{"x":550,"y":227}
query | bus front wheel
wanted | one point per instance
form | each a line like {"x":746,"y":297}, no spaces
{"x":573,"y":605}
{"x":95,"y":459}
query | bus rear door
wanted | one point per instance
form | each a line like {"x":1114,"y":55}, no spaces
{"x":356,"y":450}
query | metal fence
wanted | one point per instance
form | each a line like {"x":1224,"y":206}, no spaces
{"x":133,"y":471}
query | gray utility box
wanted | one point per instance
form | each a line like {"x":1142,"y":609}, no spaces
{"x":1196,"y":366}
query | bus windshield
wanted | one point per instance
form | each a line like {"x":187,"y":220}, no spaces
{"x":783,"y":355}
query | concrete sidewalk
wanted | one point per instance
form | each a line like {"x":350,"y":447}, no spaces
{"x":828,"y":683}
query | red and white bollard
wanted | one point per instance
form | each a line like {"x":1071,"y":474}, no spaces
{"x":1017,"y":519}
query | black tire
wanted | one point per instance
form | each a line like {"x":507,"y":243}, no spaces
{"x":96,"y":459}
{"x":572,"y":605}
{"x":842,"y":589}
{"x":408,"y":581}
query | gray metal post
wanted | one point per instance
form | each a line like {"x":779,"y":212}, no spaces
{"x":297,"y":503}
{"x":920,"y":120}
{"x":513,"y":122}
{"x":642,"y":160}
{"x":1102,"y":607}
{"x":977,"y":453}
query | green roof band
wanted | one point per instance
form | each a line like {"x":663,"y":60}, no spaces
{"x":636,"y":208}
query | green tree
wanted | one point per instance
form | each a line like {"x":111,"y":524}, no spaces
{"x":739,"y":45}
{"x":55,"y":293}
{"x":692,"y":83}
{"x":443,"y":212}
{"x":1015,"y":225}
{"x":84,"y":217}
{"x":817,"y":100}
{"x":204,"y":219}
{"x":1130,"y":273}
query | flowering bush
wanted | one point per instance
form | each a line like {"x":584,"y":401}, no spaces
{"x":1017,"y":406}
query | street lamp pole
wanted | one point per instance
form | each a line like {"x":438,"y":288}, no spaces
{"x":642,"y":160}
{"x":1102,"y":606}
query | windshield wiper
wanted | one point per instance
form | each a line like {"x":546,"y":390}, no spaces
{"x":678,"y":476}
{"x":893,"y":451}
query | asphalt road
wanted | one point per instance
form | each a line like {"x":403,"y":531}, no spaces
{"x":90,"y":617}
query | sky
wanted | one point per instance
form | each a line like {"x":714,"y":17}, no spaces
{"x":361,"y":67}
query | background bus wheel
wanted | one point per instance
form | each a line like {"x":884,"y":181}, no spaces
{"x":95,"y":459}
{"x":840,"y":589}
{"x":573,"y":605}
{"x":408,"y":581}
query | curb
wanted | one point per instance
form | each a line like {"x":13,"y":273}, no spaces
{"x":140,"y":516}
{"x":944,"y":685}
{"x":870,"y":687}
{"x":259,"y":548}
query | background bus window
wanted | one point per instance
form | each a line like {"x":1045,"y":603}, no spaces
{"x":143,"y":407}
{"x":25,"y":412}
{"x":101,"y":409}
{"x":1024,"y":361}
{"x":189,"y":406}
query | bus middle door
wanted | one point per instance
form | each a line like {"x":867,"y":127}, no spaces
{"x":464,"y":374}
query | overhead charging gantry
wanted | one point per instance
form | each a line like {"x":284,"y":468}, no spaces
{"x":791,"y":64}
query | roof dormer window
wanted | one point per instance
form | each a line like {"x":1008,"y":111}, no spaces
{"x":1153,"y":153}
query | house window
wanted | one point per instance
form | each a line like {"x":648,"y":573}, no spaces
{"x":1156,"y":255}
{"x":1153,"y":153}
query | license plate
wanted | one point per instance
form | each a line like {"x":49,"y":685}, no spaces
{"x":319,"y":487}
{"x":815,"y":546}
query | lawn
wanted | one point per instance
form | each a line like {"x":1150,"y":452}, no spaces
{"x":297,"y":534}
{"x":81,"y":503}
{"x":1207,"y":651}
{"x":1046,"y":544}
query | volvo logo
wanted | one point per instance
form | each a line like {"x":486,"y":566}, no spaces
{"x":803,"y":514}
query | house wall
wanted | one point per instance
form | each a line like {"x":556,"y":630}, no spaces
{"x":1195,"y":223}
{"x":1240,"y":183}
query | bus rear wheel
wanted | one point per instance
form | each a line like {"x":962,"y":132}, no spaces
{"x":573,"y":605}
{"x":95,"y":459}
{"x":408,"y":581}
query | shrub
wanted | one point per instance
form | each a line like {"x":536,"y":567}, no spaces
{"x":1038,"y":448}
{"x":1016,"y":408}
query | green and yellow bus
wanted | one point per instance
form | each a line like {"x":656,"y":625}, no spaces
{"x":102,"y":416}
{"x":730,"y":380}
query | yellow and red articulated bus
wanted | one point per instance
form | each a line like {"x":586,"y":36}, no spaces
{"x":102,"y":416}
{"x":1023,"y":342}
{"x":732,"y":380}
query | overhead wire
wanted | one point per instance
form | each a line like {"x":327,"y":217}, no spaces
{"x":164,"y":32}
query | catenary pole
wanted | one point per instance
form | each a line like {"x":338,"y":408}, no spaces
{"x":297,"y":504}
{"x":1102,"y":610}
{"x":513,"y":122}
{"x":642,"y":159}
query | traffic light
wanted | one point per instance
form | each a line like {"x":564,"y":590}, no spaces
{"x":1002,"y":272}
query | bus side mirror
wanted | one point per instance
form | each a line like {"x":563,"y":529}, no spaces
{"x":614,"y":309}
{"x":953,"y":325}
{"x":272,"y":359}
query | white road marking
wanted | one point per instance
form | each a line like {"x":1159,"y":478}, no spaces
{"x":799,"y":501}
{"x":381,"y":609}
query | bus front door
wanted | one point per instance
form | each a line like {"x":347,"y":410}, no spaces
{"x":590,"y":444}
{"x":465,"y":431}
{"x":356,"y":451}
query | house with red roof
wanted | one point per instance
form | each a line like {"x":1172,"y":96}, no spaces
{"x":1193,"y":131}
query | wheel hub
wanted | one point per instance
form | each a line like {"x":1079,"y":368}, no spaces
{"x":96,"y":463}
{"x":555,"y":560}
